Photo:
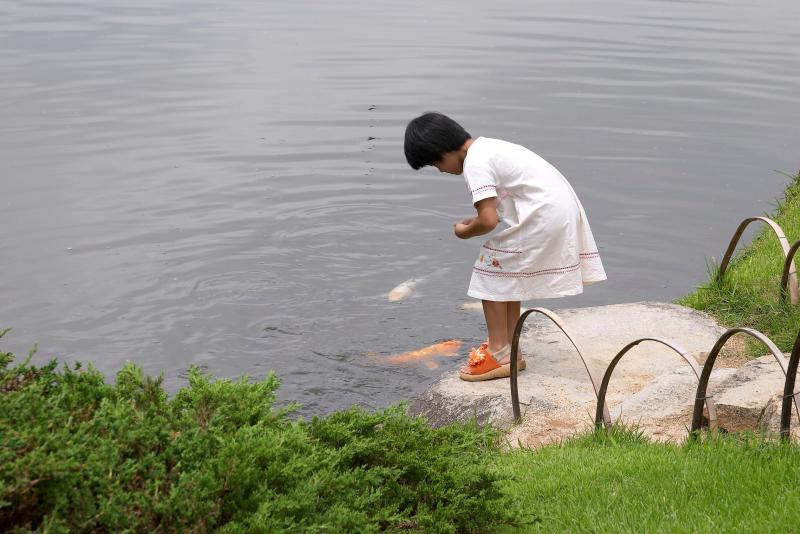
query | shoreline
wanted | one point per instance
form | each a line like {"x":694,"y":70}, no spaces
{"x":749,"y":294}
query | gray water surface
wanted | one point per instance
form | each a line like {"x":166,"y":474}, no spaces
{"x":223,"y":183}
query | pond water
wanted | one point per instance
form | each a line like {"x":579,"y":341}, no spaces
{"x":222,"y":184}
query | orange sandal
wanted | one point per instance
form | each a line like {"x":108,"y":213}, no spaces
{"x":483,"y":365}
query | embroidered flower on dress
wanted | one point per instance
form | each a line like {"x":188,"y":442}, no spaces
{"x":491,"y":261}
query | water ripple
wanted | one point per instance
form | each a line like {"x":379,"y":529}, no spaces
{"x":224,"y":184}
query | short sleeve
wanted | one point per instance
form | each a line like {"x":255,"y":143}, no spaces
{"x":481,"y":181}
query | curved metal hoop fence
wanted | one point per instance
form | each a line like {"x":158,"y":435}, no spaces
{"x":790,"y":271}
{"x":789,"y":394}
{"x":601,"y":396}
{"x":702,"y":386}
{"x":515,"y":350}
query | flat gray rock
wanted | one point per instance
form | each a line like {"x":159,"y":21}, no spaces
{"x":743,"y":397}
{"x":668,"y":394}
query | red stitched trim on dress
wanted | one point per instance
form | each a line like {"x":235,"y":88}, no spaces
{"x":559,"y":270}
{"x":588,"y":254}
{"x":555,"y":270}
{"x":483,"y":187}
{"x":506,"y":251}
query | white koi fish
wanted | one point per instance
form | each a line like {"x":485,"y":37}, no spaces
{"x":403,"y":291}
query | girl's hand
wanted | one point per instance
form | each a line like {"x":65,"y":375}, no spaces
{"x":484,"y":223}
{"x":461,"y":228}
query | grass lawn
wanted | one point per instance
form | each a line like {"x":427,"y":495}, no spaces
{"x":749,"y":295}
{"x":619,"y":481}
{"x":622,"y":483}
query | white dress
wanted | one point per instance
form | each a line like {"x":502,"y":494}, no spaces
{"x":548,"y":249}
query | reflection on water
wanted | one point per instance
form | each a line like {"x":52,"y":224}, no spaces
{"x":223,"y":185}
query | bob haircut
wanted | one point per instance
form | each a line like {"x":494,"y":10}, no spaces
{"x":430,"y":136}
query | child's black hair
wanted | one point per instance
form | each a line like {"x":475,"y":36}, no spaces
{"x":430,"y":136}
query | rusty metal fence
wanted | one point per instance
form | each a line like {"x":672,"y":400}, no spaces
{"x":789,"y":288}
{"x":789,"y":275}
{"x":702,"y":397}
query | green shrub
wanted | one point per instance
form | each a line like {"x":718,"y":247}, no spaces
{"x":79,"y":455}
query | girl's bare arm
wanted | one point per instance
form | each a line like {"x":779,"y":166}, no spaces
{"x":484,"y":223}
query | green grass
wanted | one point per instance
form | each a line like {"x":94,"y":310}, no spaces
{"x":80,"y":455}
{"x":618,"y":482}
{"x":749,"y":294}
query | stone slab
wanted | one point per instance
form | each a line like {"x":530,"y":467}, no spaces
{"x":742,"y":398}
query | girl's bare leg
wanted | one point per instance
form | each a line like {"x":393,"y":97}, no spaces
{"x":512,"y":316}
{"x":496,"y":317}
{"x":501,"y":320}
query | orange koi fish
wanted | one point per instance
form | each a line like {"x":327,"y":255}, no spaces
{"x":445,"y":348}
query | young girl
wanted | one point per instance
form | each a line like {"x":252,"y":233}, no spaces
{"x":547,"y":250}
